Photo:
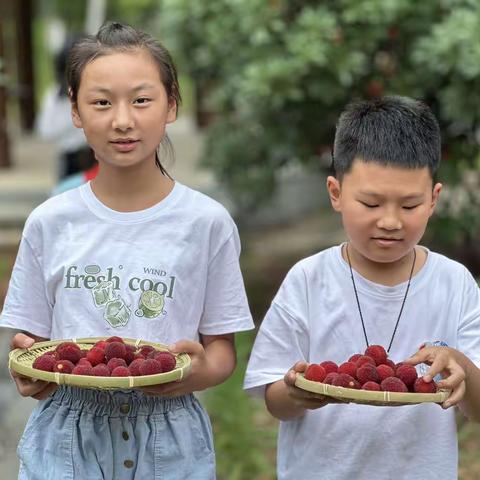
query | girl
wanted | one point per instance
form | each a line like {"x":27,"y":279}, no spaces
{"x":131,"y":253}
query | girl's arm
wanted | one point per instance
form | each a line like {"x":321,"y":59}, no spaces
{"x":213,"y":361}
{"x":28,"y":387}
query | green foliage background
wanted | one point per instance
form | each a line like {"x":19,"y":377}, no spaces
{"x":276,"y":74}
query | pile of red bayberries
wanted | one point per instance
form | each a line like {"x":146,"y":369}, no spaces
{"x":371,"y":371}
{"x":107,"y":358}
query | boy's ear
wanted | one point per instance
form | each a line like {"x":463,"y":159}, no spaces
{"x":437,"y":188}
{"x":77,"y":121}
{"x":334,"y":191}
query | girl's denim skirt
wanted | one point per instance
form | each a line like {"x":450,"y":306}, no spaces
{"x":85,"y":434}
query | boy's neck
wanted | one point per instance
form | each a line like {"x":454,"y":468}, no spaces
{"x":389,"y":274}
{"x":126,"y":191}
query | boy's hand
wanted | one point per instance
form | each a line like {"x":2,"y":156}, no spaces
{"x":301,"y":398}
{"x":197,"y":378}
{"x":447,"y":362}
{"x":26,"y":386}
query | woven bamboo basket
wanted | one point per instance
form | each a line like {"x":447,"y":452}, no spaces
{"x":20,"y":360}
{"x":367,"y":397}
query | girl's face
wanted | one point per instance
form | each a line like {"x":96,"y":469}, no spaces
{"x":123,"y":108}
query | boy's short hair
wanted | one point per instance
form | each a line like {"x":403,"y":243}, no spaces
{"x":394,"y":131}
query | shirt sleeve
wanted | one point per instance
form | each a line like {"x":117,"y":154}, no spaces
{"x":283,"y":337}
{"x":469,"y":326}
{"x":226,"y":307}
{"x":26,"y":304}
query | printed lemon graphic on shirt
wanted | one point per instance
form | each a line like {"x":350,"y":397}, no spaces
{"x":150,"y":304}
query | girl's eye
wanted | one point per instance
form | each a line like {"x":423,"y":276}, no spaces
{"x":142,"y":100}
{"x":101,"y":103}
{"x":410,"y":208}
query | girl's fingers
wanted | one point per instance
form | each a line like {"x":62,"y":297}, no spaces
{"x":46,"y":392}
{"x":455,"y":378}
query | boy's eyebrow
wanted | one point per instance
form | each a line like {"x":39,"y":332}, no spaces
{"x":412,"y":196}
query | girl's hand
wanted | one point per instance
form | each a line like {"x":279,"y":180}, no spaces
{"x":447,"y":362}
{"x":197,"y":378}
{"x":26,"y":386}
{"x":301,"y":398}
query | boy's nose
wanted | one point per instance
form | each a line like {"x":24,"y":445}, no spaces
{"x":389,"y":222}
{"x":123,"y":119}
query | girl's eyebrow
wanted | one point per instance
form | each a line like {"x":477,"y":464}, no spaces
{"x":142,"y":86}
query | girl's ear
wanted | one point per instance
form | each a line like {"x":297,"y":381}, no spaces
{"x":172,"y":111}
{"x":77,"y":121}
{"x":334,"y":191}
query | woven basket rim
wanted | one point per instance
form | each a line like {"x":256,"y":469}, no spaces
{"x":20,"y":360}
{"x":370,"y":397}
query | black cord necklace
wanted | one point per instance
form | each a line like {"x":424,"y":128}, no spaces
{"x":401,"y":308}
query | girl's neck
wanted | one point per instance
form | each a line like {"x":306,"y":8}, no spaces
{"x":389,"y":274}
{"x":130,"y":191}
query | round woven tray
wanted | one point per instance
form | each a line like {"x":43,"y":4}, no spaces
{"x":20,"y":360}
{"x":367,"y":397}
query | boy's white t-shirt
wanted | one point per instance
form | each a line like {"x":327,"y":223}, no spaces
{"x":314,"y":317}
{"x":162,"y":274}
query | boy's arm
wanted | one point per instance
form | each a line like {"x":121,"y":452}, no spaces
{"x":285,"y":401}
{"x":460,"y":375}
{"x":212,"y":362}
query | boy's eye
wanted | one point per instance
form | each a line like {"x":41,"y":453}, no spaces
{"x":410,"y":207}
{"x":369,"y":205}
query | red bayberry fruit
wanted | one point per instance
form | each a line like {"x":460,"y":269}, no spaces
{"x":363,"y":359}
{"x":114,"y":339}
{"x":69,"y":351}
{"x":348,"y":367}
{"x":45,"y":362}
{"x":345,"y":380}
{"x":330,"y":377}
{"x":421,"y":386}
{"x":82,"y":369}
{"x":63,"y":366}
{"x":314,"y":372}
{"x":95,"y":356}
{"x":329,"y":366}
{"x":150,"y":367}
{"x":367,"y":373}
{"x":101,"y":370}
{"x":393,"y":384}
{"x":116,"y":362}
{"x":407,"y":374}
{"x":168,"y":361}
{"x":385,"y":371}
{"x":378,"y":353}
{"x":120,"y":372}
{"x":134,"y":367}
{"x":115,"y":350}
{"x":355,"y":357}
{"x":373,"y":386}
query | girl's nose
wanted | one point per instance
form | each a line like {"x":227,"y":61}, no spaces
{"x":122,"y":119}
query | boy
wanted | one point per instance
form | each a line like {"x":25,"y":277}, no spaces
{"x":382,"y":288}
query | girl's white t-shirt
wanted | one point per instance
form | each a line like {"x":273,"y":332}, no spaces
{"x":314,"y":317}
{"x":166,"y":273}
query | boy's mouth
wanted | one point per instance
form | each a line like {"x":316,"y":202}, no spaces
{"x":386,"y":241}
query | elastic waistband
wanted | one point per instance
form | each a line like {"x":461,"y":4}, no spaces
{"x":118,"y":402}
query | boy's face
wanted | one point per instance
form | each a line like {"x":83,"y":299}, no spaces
{"x":385,"y":209}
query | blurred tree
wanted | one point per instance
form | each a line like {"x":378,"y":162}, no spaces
{"x":272,"y":76}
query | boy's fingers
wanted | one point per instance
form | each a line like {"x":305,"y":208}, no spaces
{"x":455,"y":378}
{"x":455,"y":396}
